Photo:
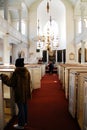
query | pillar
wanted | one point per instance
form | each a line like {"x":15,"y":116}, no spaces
{"x":62,"y":56}
{"x":47,"y":57}
{"x":82,"y":19}
{"x":27,"y":22}
{"x":75,"y":34}
{"x":5,"y":9}
{"x":82,"y":52}
{"x":56,"y":56}
{"x":20,"y":27}
{"x":6,"y":50}
{"x":1,"y":107}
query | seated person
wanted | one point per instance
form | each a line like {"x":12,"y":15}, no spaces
{"x":40,"y":61}
{"x":51,"y":67}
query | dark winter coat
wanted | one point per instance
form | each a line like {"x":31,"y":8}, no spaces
{"x":20,"y":81}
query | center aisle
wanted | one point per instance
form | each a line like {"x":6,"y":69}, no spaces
{"x":48,"y":108}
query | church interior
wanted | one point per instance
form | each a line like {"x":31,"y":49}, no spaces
{"x":43,"y":31}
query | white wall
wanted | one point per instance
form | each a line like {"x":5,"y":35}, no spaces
{"x":69,"y":28}
{"x":1,"y":52}
{"x":70,"y":43}
{"x":33,"y":33}
{"x":18,"y":48}
{"x":58,"y":13}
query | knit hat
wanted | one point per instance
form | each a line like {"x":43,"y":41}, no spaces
{"x":19,"y":62}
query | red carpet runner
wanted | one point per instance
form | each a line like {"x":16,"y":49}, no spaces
{"x":48,"y":108}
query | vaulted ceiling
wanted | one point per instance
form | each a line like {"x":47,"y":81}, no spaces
{"x":15,"y":5}
{"x":30,"y":2}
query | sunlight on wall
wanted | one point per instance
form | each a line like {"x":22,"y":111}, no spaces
{"x":79,"y":27}
{"x":23,"y":28}
{"x":53,"y":28}
{"x":49,"y":30}
{"x":58,"y":21}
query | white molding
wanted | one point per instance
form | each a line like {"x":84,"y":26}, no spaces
{"x":6,"y":28}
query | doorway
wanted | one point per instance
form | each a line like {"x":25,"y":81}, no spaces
{"x":52,"y":56}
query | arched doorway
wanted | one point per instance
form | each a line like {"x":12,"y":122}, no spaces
{"x":79,"y":55}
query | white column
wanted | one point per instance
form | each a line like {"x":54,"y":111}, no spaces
{"x":82,"y":18}
{"x":56,"y":56}
{"x":62,"y":56}
{"x":75,"y":33}
{"x":82,"y":52}
{"x":27,"y":23}
{"x":76,"y":20}
{"x":6,"y":50}
{"x":47,"y":57}
{"x":1,"y":107}
{"x":27,"y":29}
{"x":82,"y":30}
{"x":20,"y":28}
{"x":6,"y":9}
{"x":76,"y":53}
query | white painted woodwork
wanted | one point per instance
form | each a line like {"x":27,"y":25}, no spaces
{"x":77,"y":96}
{"x":72,"y":94}
{"x":1,"y":107}
{"x":85,"y":106}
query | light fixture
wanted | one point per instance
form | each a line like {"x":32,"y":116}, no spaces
{"x":48,"y":41}
{"x":47,"y":7}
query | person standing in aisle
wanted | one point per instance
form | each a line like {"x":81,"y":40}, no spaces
{"x":20,"y":82}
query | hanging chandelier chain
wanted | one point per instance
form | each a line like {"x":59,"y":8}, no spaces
{"x":49,"y":39}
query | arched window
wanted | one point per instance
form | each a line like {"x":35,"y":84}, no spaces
{"x":53,"y":28}
{"x":23,"y":30}
{"x":49,"y":35}
{"x":23,"y":27}
{"x":79,"y":27}
{"x":85,"y":20}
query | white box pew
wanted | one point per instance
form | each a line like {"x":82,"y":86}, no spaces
{"x":36,"y":75}
{"x":76,"y":94}
{"x":8,"y":107}
{"x":61,"y":72}
{"x":43,"y":66}
{"x":1,"y":107}
{"x":7,"y":103}
{"x":85,"y":105}
{"x":67,"y":71}
{"x":36,"y":80}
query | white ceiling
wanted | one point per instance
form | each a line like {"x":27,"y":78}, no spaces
{"x":30,"y":2}
{"x":14,"y":6}
{"x":57,"y":10}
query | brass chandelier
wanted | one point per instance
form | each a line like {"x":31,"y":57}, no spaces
{"x":49,"y":40}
